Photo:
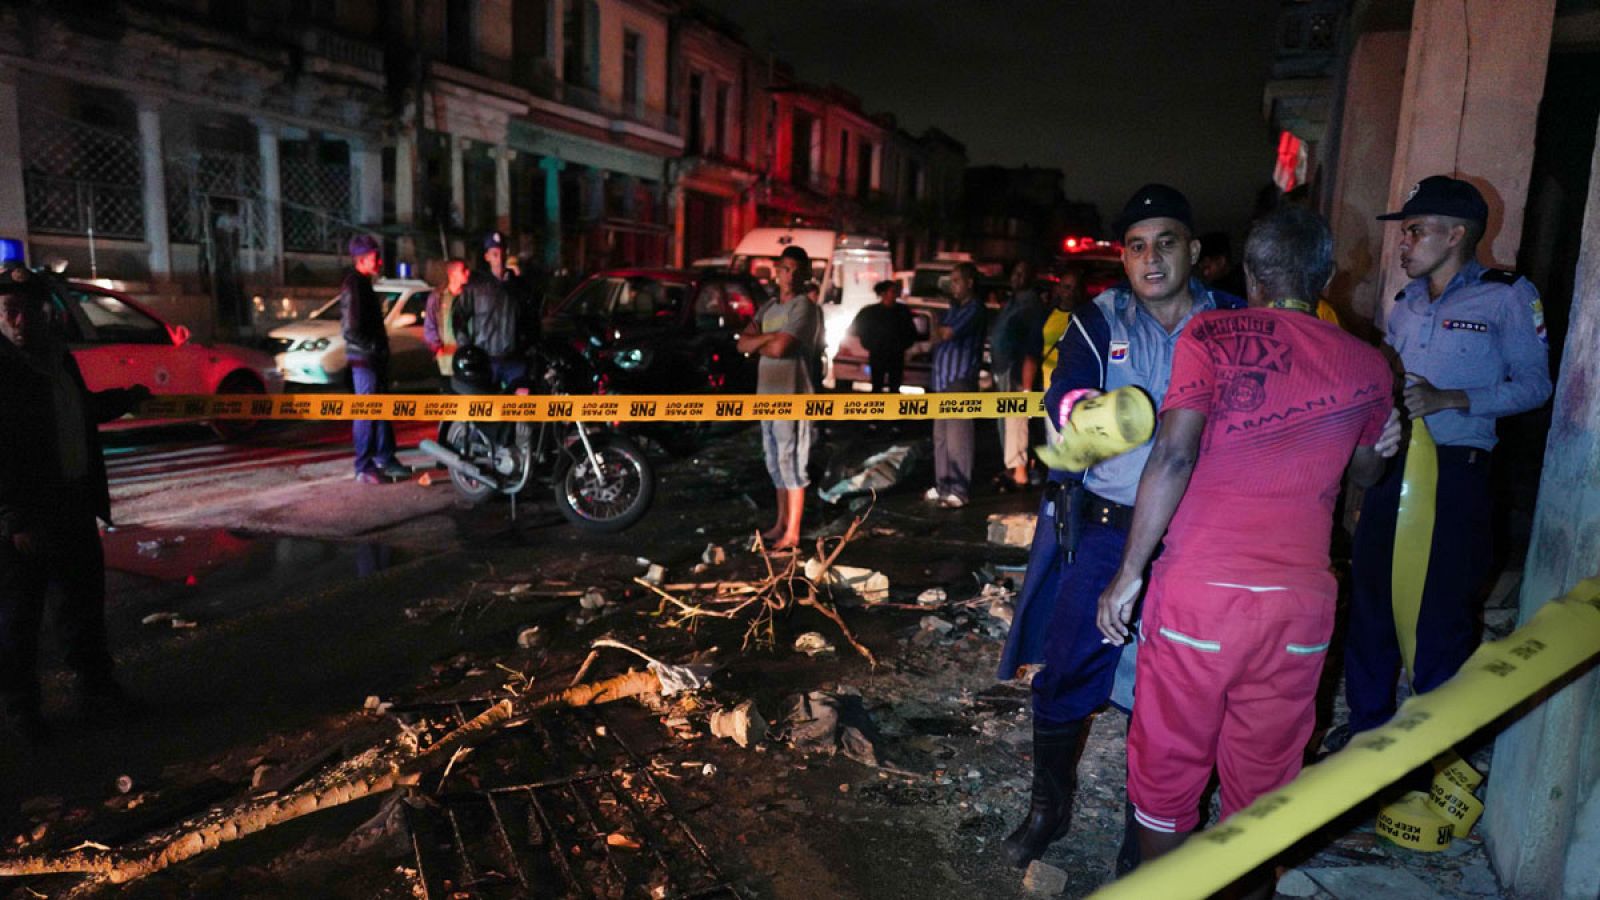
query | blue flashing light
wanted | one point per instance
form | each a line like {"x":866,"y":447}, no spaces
{"x":403,"y":269}
{"x":11,"y":251}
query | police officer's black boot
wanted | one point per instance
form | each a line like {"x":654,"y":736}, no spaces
{"x":1055,"y":766}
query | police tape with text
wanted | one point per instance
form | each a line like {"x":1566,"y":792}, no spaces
{"x":602,"y":408}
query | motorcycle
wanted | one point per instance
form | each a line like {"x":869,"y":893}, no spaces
{"x":602,"y":481}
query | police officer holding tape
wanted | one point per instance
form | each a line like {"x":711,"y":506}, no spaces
{"x":1471,"y":342}
{"x":1124,"y":337}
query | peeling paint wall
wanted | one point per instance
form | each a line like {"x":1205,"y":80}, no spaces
{"x":1543,"y":815}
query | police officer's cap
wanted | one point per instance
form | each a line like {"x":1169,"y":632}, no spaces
{"x":362,"y":244}
{"x":494,"y":239}
{"x":1154,"y":201}
{"x":1441,"y":195}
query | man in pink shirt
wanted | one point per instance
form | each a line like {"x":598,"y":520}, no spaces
{"x":1266,"y":409}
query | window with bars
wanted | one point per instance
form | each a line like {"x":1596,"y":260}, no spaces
{"x":80,"y":178}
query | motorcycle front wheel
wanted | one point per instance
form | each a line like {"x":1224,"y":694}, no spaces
{"x":475,"y":447}
{"x":613,"y":498}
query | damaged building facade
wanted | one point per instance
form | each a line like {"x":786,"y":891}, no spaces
{"x":213,"y":158}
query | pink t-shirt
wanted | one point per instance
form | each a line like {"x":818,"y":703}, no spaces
{"x":1287,"y":399}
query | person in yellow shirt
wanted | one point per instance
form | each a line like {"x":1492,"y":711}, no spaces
{"x":1066,"y":294}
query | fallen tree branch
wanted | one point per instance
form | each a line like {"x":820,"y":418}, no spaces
{"x":397,"y":763}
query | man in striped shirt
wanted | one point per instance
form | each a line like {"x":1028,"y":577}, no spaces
{"x":955,"y":370}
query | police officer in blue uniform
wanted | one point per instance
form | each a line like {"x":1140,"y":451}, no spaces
{"x":1471,"y":342}
{"x":1125,"y":336}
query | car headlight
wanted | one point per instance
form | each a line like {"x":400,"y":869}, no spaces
{"x":317,"y":344}
{"x":635,"y":358}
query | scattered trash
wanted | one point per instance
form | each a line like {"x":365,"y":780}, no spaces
{"x":708,"y":769}
{"x":1012,"y":529}
{"x":514,"y":590}
{"x":529,"y":637}
{"x":592,"y":599}
{"x":854,"y":744}
{"x":618,"y":839}
{"x":655,"y":574}
{"x":714,"y":555}
{"x":184,"y":623}
{"x":741,"y":724}
{"x":1043,"y":878}
{"x":937,"y":625}
{"x":813,"y":721}
{"x":157,"y":618}
{"x":814,"y":726}
{"x":124,"y":784}
{"x":377,"y":705}
{"x":869,"y":585}
{"x":932,"y":597}
{"x":812,"y":643}
{"x":878,"y":472}
{"x":425,"y":479}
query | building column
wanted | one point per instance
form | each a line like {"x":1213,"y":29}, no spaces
{"x":366,"y":181}
{"x":458,"y":180}
{"x":1542,"y":810}
{"x":552,"y":211}
{"x":152,"y":164}
{"x":13,"y":194}
{"x":594,"y":194}
{"x":680,"y":222}
{"x":1473,"y":80}
{"x":405,"y":194}
{"x":272,"y":199}
{"x":502,"y":187}
{"x":1371,"y":114}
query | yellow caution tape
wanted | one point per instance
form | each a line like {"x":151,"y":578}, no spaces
{"x":1429,"y":821}
{"x":604,"y":408}
{"x":1562,"y":636}
{"x":1413,"y":823}
{"x":1413,"y":538}
{"x":1102,"y":426}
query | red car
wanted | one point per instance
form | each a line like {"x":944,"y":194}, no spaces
{"x":118,"y":343}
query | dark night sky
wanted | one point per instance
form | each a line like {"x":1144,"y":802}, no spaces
{"x":1114,"y":94}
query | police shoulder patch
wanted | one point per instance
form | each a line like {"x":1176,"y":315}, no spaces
{"x":1500,"y":276}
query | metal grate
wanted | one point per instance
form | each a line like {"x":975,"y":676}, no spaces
{"x":544,"y":801}
{"x":210,"y":173}
{"x":316,"y":205}
{"x":80,"y":178}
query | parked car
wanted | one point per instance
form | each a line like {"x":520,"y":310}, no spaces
{"x":117,"y":342}
{"x":662,"y":331}
{"x":311,"y":351}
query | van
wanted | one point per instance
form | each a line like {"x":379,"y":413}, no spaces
{"x":844,"y":267}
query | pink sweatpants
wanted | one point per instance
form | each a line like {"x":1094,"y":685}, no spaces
{"x":1227,"y":677}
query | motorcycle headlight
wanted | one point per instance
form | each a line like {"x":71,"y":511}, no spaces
{"x":635,"y":358}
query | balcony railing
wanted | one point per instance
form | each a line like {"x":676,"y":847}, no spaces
{"x":578,"y":96}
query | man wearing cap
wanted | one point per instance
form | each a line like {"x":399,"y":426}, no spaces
{"x":1125,"y":336}
{"x":1471,"y":343}
{"x":52,"y":489}
{"x":488,"y":313}
{"x":366,"y":345}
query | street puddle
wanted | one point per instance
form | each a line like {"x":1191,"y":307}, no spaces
{"x":220,"y":557}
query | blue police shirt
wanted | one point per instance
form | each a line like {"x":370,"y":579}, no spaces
{"x":1485,"y":336}
{"x":1114,"y":342}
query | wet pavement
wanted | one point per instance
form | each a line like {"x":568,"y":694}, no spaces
{"x":262,"y":655}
